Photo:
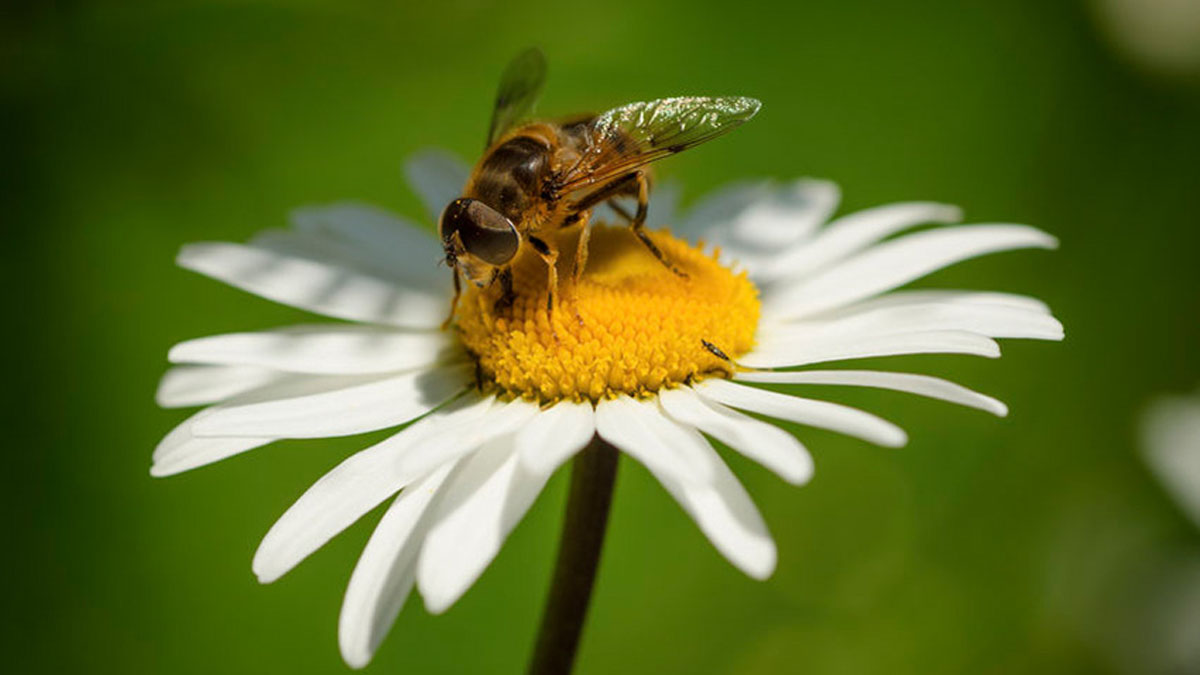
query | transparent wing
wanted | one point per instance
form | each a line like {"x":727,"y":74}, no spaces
{"x":633,"y":135}
{"x":519,"y":88}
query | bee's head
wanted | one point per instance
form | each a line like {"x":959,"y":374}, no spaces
{"x":476,"y":237}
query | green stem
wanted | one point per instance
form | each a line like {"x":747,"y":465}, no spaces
{"x":593,"y":474}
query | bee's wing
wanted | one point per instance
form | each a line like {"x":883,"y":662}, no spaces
{"x":520,"y":86}
{"x":636,"y":134}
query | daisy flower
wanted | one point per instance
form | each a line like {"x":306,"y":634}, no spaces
{"x":653,"y":363}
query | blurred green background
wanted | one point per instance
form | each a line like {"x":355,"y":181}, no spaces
{"x":1025,"y":545}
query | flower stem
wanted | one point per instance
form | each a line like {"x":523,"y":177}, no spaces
{"x":593,"y":474}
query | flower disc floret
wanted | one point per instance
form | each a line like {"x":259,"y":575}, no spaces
{"x":630,"y":325}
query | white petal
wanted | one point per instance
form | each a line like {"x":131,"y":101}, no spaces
{"x":555,"y":434}
{"x":752,"y":222}
{"x":184,"y":386}
{"x":318,"y":407}
{"x":991,"y":320}
{"x":910,"y":298}
{"x":642,"y":430}
{"x":784,"y":351}
{"x":421,"y":269}
{"x":502,"y":419}
{"x":792,"y":214}
{"x":329,"y":349}
{"x":714,"y":211}
{"x":897,"y":262}
{"x":438,"y":178}
{"x":482,"y":503}
{"x":850,"y":234}
{"x":821,"y":414}
{"x":726,"y":515}
{"x":354,"y":487}
{"x":324,"y":250}
{"x":378,"y":239}
{"x":922,"y":385}
{"x":314,"y":286}
{"x":180,"y":450}
{"x":765,"y":443}
{"x":385,"y":571}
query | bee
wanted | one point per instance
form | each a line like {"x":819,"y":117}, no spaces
{"x":538,"y":177}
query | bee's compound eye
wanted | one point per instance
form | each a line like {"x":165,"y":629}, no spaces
{"x":483,"y":231}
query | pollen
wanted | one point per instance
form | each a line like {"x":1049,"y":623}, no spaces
{"x":629,"y":325}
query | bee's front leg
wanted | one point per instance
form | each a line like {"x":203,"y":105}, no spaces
{"x":505,"y":301}
{"x":581,"y":256}
{"x":549,"y":255}
{"x":581,"y":245}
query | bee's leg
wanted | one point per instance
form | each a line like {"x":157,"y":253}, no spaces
{"x":620,"y":210}
{"x":505,"y":301}
{"x":581,"y":250}
{"x":639,"y":221}
{"x":581,"y":256}
{"x":624,"y":185}
{"x":584,"y":220}
{"x":454,"y":302}
{"x":550,"y":257}
{"x":633,"y":183}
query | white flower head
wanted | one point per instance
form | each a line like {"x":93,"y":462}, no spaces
{"x":653,"y":363}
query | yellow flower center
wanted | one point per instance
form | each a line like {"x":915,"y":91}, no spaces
{"x":630,"y":325}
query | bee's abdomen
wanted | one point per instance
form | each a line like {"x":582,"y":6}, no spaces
{"x":511,"y":175}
